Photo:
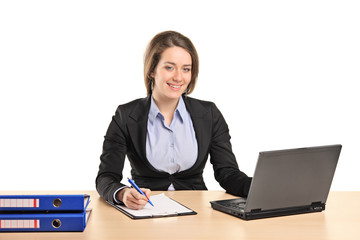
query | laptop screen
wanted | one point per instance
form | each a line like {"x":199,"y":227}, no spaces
{"x":294,"y":177}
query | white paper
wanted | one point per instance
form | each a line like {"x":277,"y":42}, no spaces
{"x":163,"y":206}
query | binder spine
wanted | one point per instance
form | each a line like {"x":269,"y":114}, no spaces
{"x":43,"y":202}
{"x":42,"y":222}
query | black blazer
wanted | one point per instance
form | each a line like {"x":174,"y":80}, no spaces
{"x":126,"y":136}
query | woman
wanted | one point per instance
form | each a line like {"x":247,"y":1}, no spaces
{"x":167,"y":136}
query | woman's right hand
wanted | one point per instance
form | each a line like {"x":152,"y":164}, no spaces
{"x":132,"y":198}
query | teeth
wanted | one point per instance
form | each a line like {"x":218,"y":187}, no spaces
{"x":174,"y":86}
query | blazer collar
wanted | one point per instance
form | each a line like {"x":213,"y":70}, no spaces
{"x":141,"y":111}
{"x":195,"y":108}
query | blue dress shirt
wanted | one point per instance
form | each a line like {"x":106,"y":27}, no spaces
{"x":171,"y":148}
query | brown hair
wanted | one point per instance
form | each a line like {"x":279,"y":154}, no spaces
{"x":158,"y":45}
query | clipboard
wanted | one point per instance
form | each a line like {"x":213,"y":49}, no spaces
{"x":163,"y":207}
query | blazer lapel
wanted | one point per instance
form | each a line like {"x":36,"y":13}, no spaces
{"x":202,"y":126}
{"x":138,"y":126}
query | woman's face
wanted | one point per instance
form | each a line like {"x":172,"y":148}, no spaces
{"x":172,"y":74}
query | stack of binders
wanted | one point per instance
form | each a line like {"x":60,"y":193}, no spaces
{"x":44,"y":213}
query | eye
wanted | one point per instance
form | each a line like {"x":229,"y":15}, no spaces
{"x":168,"y":68}
{"x":187,"y":69}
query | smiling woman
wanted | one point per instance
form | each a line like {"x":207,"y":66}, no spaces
{"x":167,"y":136}
{"x":158,"y":45}
{"x":171,"y":79}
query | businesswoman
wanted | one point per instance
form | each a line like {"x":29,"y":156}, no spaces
{"x":167,"y":136}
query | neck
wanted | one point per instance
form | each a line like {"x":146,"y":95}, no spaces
{"x":166,"y":106}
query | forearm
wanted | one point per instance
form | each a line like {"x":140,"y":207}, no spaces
{"x":233,"y":181}
{"x":107,"y":184}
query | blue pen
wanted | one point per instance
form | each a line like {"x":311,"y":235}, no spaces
{"x":139,"y":190}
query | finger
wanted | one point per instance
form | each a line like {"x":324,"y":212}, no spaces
{"x":131,"y":202}
{"x":135,"y":203}
{"x":146,"y":191}
{"x":137,"y":195}
{"x":141,"y":201}
{"x":134,"y":206}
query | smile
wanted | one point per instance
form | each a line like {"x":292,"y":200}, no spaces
{"x":174,"y":86}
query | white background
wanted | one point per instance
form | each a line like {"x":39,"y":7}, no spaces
{"x":283,"y":73}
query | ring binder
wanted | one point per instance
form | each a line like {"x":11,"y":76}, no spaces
{"x":44,"y":222}
{"x":44,"y":202}
{"x":56,"y":213}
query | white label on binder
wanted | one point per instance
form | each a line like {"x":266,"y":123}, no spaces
{"x":20,"y":223}
{"x":19,"y":203}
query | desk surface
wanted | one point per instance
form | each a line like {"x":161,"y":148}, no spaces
{"x":340,"y":220}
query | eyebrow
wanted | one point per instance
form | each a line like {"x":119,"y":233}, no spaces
{"x":185,"y":65}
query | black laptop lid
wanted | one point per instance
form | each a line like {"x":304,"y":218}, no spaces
{"x":294,"y":177}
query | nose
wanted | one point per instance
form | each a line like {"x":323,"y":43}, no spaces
{"x":177,"y":75}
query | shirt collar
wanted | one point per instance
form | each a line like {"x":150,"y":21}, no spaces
{"x":181,"y":109}
{"x":154,"y":110}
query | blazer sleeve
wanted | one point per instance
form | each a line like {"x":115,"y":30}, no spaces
{"x":113,"y":157}
{"x":225,"y":166}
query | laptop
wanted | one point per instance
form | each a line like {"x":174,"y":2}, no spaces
{"x":286,"y":182}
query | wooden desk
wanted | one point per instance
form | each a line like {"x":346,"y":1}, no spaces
{"x":340,"y":220}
